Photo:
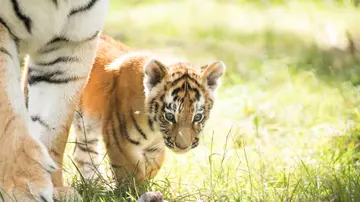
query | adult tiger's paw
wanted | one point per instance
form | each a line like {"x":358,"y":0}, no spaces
{"x":25,"y":173}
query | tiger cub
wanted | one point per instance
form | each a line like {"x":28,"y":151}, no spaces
{"x":140,"y":105}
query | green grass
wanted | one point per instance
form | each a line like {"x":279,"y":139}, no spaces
{"x":285,"y":126}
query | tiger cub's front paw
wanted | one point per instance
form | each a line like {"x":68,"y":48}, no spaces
{"x":25,"y":173}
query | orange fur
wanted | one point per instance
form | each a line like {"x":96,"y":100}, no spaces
{"x":115,"y":98}
{"x":109,"y":87}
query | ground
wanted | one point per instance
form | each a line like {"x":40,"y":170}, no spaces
{"x":285,"y":126}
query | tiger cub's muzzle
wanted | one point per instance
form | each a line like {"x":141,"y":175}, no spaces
{"x":180,"y":144}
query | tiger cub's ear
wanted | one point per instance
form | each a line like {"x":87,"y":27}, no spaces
{"x":154,"y":71}
{"x":211,"y":74}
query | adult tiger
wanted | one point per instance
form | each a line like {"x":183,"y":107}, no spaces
{"x":141,"y":104}
{"x":61,"y":37}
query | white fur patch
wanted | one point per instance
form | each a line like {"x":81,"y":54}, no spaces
{"x":12,"y":80}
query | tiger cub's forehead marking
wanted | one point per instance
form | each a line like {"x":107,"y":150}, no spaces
{"x":184,"y":92}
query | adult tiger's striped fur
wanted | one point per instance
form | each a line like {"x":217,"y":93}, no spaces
{"x":141,"y":105}
{"x":60,"y":37}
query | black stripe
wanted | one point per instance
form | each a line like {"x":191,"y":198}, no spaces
{"x":175,"y":73}
{"x":58,"y":39}
{"x":51,"y":78}
{"x":3,"y":50}
{"x":115,"y":166}
{"x":137,"y":125}
{"x":43,"y":198}
{"x":42,"y":122}
{"x":162,"y":98}
{"x":183,"y":86}
{"x":93,"y":141}
{"x":114,"y":133}
{"x":55,"y":2}
{"x":176,"y":91}
{"x":186,"y":76}
{"x":124,"y":132}
{"x":150,"y":122}
{"x":163,"y":107}
{"x":168,"y":106}
{"x":84,"y":148}
{"x":49,"y":50}
{"x":197,"y":93}
{"x":48,"y":171}
{"x":152,"y":149}
{"x":25,"y":19}
{"x":32,"y":79}
{"x":195,"y":81}
{"x":86,"y":7}
{"x":112,"y":118}
{"x":37,"y":79}
{"x":156,"y":108}
{"x":2,"y":21}
{"x":65,"y":39}
{"x":91,"y":37}
{"x":151,"y":105}
{"x":58,"y":60}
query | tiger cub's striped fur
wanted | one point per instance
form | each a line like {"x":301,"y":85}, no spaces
{"x":60,"y":37}
{"x":139,"y":105}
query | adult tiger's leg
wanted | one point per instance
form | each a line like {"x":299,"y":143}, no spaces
{"x":55,"y":83}
{"x":25,"y":165}
{"x":57,"y":74}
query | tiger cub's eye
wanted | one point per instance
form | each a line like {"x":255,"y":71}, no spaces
{"x":170,"y":117}
{"x":197,"y":117}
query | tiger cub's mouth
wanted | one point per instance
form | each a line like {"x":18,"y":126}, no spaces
{"x":171,"y":144}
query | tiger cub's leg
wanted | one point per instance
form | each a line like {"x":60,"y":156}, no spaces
{"x":88,"y":145}
{"x":153,"y":160}
{"x":129,"y":161}
{"x":25,"y":165}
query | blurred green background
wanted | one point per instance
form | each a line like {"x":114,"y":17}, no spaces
{"x":285,"y":123}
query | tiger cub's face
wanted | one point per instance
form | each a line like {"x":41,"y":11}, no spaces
{"x":179,"y":99}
